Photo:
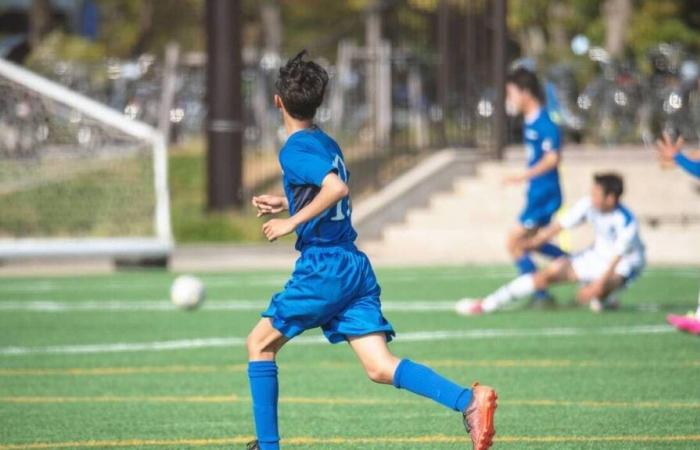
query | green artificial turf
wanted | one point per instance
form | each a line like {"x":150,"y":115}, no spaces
{"x":567,"y":379}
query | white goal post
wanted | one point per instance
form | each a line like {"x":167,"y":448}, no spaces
{"x":77,"y":178}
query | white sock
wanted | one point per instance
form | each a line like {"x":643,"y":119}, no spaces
{"x":522,"y":286}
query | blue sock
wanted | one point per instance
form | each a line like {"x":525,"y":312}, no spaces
{"x":424,"y":381}
{"x":552,"y":251}
{"x":265,"y":391}
{"x":525,"y":264}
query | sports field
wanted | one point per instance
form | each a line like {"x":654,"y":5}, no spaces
{"x":105,"y":362}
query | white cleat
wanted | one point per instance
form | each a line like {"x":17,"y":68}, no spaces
{"x":469,"y":307}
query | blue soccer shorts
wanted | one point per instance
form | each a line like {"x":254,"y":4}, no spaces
{"x":333,"y":288}
{"x":539,"y":210}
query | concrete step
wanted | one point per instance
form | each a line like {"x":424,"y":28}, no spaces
{"x":470,"y":222}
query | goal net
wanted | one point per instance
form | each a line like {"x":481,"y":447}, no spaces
{"x":76,"y":177}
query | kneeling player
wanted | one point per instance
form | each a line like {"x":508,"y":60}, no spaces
{"x":616,"y":257}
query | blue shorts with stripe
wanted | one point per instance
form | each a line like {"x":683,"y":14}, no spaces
{"x":332,"y":287}
{"x":540,"y":209}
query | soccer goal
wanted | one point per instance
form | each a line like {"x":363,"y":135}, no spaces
{"x":76,"y":177}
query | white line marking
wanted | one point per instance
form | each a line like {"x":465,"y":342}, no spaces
{"x":417,"y":336}
{"x":238,"y":279}
{"x":51,"y":306}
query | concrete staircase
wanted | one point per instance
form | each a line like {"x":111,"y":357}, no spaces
{"x":469,"y":223}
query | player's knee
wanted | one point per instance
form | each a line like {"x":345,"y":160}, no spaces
{"x":380,"y":373}
{"x":256,"y":347}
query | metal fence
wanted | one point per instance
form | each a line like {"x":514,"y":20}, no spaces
{"x":390,"y":100}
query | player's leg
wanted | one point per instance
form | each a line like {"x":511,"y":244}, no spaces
{"x":263,"y":343}
{"x":593,"y":294}
{"x":477,"y":404}
{"x":522,"y":258}
{"x":514,"y":243}
{"x":559,"y":271}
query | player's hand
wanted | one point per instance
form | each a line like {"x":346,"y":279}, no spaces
{"x":515,"y":178}
{"x":276,"y":228}
{"x":668,"y":149}
{"x":269,"y":204}
{"x":591,"y":291}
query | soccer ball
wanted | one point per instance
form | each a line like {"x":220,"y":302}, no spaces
{"x":187,"y":292}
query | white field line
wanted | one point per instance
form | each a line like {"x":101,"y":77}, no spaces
{"x":49,"y":306}
{"x":52,"y":306}
{"x":417,"y":336}
{"x":237,"y":280}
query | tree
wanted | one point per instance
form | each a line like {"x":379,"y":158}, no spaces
{"x":617,"y":15}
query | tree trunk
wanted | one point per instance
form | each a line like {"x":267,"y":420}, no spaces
{"x":617,"y":15}
{"x":39,"y":21}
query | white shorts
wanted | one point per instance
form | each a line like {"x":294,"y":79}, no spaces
{"x":590,"y":265}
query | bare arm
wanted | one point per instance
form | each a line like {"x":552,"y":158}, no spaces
{"x":549,"y":161}
{"x":602,"y":286}
{"x":543,"y":236}
{"x":333,"y":189}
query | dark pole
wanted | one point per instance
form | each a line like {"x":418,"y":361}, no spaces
{"x":224,"y":102}
{"x":444,"y":66}
{"x":499,"y":41}
{"x":472,"y":80}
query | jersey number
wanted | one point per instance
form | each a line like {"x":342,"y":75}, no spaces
{"x":343,"y":174}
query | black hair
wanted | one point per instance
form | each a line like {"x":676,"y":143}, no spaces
{"x":301,"y":85}
{"x":611,"y":183}
{"x":527,"y":81}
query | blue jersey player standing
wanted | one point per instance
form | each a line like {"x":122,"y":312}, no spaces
{"x":333,"y":285}
{"x":671,"y":153}
{"x":543,"y":147}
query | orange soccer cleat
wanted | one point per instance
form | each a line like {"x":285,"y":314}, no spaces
{"x":478,"y":417}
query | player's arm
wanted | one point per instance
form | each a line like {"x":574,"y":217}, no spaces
{"x":333,"y":189}
{"x":543,"y":236}
{"x":603,"y":284}
{"x":671,"y":152}
{"x":270,"y":204}
{"x":550,"y":160}
{"x":551,"y":144}
{"x":600,"y":287}
{"x":570,"y":219}
{"x":689,"y":165}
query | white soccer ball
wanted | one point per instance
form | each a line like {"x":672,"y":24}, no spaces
{"x":187,"y":292}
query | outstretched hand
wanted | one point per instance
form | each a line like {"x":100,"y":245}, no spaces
{"x":668,"y":148}
{"x":269,"y":204}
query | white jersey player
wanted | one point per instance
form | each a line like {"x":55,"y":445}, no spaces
{"x":615,"y":258}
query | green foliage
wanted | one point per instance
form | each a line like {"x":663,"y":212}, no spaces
{"x":90,"y":204}
{"x":125,"y":28}
{"x":191,"y":221}
{"x":59,"y":46}
{"x":656,"y":21}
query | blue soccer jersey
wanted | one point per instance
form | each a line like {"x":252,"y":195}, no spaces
{"x":306,"y":158}
{"x":544,"y":197}
{"x":333,"y":285}
{"x":542,"y":135}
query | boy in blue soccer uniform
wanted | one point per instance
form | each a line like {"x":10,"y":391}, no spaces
{"x":543,"y":146}
{"x":671,"y":153}
{"x":333,"y":285}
